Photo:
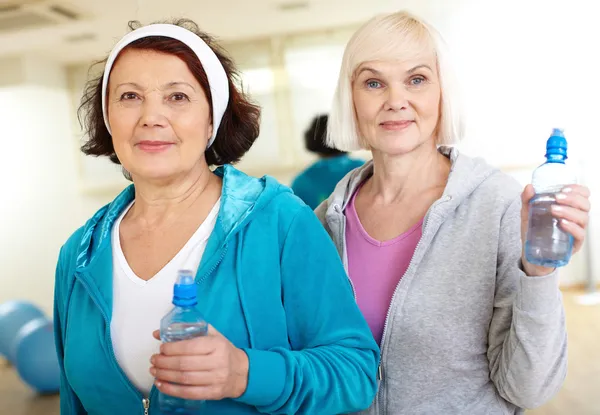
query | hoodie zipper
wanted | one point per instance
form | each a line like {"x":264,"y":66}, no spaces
{"x":145,"y":401}
{"x":387,"y":316}
{"x":215,"y":265}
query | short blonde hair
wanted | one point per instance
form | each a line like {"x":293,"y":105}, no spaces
{"x":384,"y":37}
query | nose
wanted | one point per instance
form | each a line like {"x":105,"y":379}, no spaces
{"x":153,"y":113}
{"x":396,"y":98}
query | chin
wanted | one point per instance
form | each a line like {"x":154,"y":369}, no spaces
{"x":398,"y":149}
{"x":156,"y":173}
{"x":398,"y":145}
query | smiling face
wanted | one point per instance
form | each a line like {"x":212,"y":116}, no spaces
{"x":159,"y":115}
{"x":397,"y":103}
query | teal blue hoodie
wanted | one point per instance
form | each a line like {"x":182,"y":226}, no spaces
{"x":270,"y":280}
{"x":318,"y":181}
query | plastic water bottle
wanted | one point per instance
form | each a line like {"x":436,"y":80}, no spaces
{"x":547,"y":244}
{"x":183,"y":322}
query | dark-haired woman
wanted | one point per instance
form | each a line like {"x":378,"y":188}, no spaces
{"x":285,"y":336}
{"x":314,"y":184}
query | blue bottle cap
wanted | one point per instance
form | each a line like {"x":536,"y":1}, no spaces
{"x":556,"y":144}
{"x":184,"y":290}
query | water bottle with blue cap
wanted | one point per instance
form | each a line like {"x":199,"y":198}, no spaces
{"x":547,"y":244}
{"x":183,"y":322}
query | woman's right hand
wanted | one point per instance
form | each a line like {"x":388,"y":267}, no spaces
{"x":204,"y":368}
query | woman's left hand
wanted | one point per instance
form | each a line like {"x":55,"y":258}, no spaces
{"x":572,"y":210}
{"x":203,"y":368}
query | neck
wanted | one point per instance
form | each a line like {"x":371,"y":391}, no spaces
{"x":398,"y":178}
{"x":330,"y":156}
{"x":157,"y":203}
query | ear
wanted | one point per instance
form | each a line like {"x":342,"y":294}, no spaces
{"x":210,"y":131}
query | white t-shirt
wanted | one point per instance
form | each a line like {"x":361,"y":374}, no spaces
{"x":138,"y":305}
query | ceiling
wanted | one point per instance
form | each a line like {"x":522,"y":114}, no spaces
{"x":79,"y":30}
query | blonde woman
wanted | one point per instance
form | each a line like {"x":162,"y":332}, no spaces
{"x":432,"y":239}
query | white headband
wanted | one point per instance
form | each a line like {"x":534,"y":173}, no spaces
{"x":217,"y":78}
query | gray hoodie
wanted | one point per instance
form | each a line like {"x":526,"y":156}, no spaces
{"x":467,"y":331}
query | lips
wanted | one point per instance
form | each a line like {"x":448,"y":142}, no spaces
{"x":152,"y":146}
{"x":396,"y":125}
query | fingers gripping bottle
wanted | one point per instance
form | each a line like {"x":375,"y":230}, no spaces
{"x":547,"y":244}
{"x":183,"y":322}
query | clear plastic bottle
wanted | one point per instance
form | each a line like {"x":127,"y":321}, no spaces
{"x":547,"y":244}
{"x":183,"y":322}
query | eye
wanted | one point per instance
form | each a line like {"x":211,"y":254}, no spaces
{"x":179,"y":96}
{"x":417,"y":80}
{"x":373,"y":84}
{"x":128,"y":96}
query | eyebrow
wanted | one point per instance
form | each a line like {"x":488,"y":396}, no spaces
{"x":376,"y":72}
{"x":416,"y":68}
{"x":172,"y":84}
{"x":367,"y":69}
{"x":166,"y":86}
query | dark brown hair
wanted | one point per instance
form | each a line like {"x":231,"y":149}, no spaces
{"x":239,"y":127}
{"x":314,"y":138}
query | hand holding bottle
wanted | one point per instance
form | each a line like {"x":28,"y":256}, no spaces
{"x":203,"y":368}
{"x":571,"y":210}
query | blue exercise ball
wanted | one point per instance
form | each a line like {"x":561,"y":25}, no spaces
{"x":35,"y":356}
{"x":13,"y":316}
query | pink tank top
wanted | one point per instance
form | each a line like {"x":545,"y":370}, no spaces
{"x":376,"y":267}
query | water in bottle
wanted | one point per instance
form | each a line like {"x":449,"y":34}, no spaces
{"x":547,"y":244}
{"x":183,"y":322}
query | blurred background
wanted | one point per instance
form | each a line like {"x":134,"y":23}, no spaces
{"x":524,"y":66}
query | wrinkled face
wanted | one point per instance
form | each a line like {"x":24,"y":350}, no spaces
{"x":397,"y":103}
{"x":159,"y":115}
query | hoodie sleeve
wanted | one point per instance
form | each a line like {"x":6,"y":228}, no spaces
{"x":332,"y":366}
{"x":69,"y":403}
{"x":527,"y":337}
